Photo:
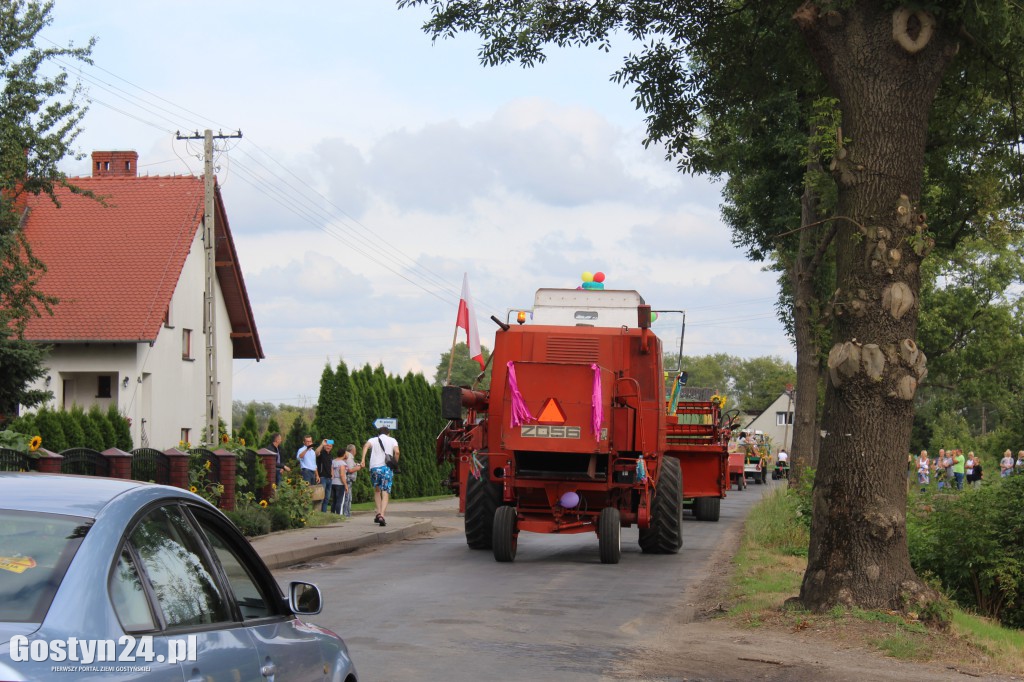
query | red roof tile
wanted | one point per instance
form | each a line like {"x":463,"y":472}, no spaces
{"x":114,"y":265}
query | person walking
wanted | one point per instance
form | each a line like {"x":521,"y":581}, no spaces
{"x":958,"y":469}
{"x":924,"y":468}
{"x":324,"y":463}
{"x":339,"y":482}
{"x":1006,"y":464}
{"x":281,"y":467}
{"x":351,"y":471}
{"x":381,"y":477}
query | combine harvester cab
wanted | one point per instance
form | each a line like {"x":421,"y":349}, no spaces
{"x":571,"y":437}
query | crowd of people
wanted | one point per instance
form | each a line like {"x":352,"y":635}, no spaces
{"x":951,"y":469}
{"x":336,"y":472}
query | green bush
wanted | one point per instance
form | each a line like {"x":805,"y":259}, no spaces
{"x":72,"y":431}
{"x":972,"y":542}
{"x":293,"y":500}
{"x":49,"y":426}
{"x":251,"y":519}
{"x":106,"y":429}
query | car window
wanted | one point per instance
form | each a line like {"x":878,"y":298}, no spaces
{"x":172,"y":558}
{"x":35,"y":551}
{"x":129,"y":596}
{"x":252,"y":600}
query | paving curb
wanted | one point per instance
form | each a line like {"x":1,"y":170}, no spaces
{"x":318,"y":549}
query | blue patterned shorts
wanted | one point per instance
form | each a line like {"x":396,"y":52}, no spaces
{"x":381,"y":478}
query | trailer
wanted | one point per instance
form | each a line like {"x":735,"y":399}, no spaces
{"x":575,"y":435}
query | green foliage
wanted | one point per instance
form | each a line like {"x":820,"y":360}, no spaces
{"x":49,"y":426}
{"x":292,"y":502}
{"x":106,"y":429}
{"x":13,"y":440}
{"x":250,"y":519}
{"x":293,"y":441}
{"x":272,"y":428}
{"x":73,"y":433}
{"x":751,"y":384}
{"x":465,"y":369}
{"x":93,"y":436}
{"x":122,"y":428}
{"x":39,"y":121}
{"x":199,"y":479}
{"x":250,"y":430}
{"x":973,"y":543}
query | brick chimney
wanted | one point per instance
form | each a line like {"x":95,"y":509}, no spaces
{"x":116,"y":164}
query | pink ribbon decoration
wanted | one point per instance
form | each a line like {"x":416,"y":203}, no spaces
{"x":596,"y":405}
{"x":520,"y":412}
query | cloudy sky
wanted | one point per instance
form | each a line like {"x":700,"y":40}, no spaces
{"x":376,"y":168}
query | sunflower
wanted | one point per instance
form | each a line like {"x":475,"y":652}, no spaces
{"x":719,"y":401}
{"x":241,"y":441}
{"x":193,"y":489}
{"x":207,"y":465}
{"x":263,"y":503}
{"x":224,"y":438}
{"x":34,"y":444}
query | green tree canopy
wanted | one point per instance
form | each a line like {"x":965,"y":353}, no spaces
{"x":465,"y":370}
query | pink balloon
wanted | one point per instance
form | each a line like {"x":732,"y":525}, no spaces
{"x":598,"y":276}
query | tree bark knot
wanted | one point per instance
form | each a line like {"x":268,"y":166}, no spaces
{"x":912,"y":29}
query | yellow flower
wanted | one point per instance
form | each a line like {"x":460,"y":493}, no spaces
{"x":302,"y":520}
{"x":223,"y":438}
{"x":273,"y":486}
{"x":241,"y":441}
{"x":34,"y":444}
{"x":263,"y":503}
{"x":193,"y":489}
{"x":207,"y":465}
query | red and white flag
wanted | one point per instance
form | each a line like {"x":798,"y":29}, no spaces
{"x":467,"y":320}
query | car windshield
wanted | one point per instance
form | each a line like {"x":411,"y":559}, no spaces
{"x":35,"y":550}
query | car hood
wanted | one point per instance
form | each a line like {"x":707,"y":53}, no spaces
{"x":8,"y":630}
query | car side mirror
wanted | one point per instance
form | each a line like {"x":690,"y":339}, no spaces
{"x":304,"y":599}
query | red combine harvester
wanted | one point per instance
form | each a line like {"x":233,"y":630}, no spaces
{"x":575,"y":433}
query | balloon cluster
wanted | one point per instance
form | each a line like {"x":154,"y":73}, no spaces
{"x":592,"y":280}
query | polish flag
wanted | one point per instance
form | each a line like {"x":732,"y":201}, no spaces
{"x":467,"y":320}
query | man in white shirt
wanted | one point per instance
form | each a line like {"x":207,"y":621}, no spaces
{"x":381,"y":477}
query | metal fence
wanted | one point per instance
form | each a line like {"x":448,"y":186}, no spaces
{"x":14,"y":460}
{"x":151,"y":465}
{"x":84,"y":461}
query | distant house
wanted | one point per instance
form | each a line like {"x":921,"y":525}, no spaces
{"x":129,"y":271}
{"x":776,"y":422}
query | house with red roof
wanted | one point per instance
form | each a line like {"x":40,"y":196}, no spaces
{"x":128,"y":268}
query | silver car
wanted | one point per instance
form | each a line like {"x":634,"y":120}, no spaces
{"x":110,"y":579}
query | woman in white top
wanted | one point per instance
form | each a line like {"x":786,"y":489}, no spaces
{"x":924,"y":468}
{"x":1006,"y":463}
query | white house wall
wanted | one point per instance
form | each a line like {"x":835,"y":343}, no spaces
{"x":165,"y":393}
{"x":766,"y":422}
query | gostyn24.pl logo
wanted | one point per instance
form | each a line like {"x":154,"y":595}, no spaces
{"x":126,"y":649}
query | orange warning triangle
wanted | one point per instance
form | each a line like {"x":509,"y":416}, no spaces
{"x":551,"y":413}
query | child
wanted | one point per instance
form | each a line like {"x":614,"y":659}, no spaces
{"x":350,"y":476}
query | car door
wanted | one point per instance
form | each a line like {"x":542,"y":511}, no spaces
{"x":189,"y":598}
{"x":286,"y":646}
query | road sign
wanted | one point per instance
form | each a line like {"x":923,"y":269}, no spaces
{"x":390,"y":422}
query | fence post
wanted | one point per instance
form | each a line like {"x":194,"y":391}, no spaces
{"x":178,"y":467}
{"x":269,"y":459}
{"x":227,"y":464}
{"x":120,"y":463}
{"x":48,"y":462}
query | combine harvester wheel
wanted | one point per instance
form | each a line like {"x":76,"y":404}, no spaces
{"x":609,"y":535}
{"x":506,"y":534}
{"x":665,"y":534}
{"x":482,"y":499}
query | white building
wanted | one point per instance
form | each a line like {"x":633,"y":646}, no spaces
{"x":129,"y":273}
{"x":776,"y":422}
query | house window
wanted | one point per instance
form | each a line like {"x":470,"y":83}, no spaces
{"x":186,"y":434}
{"x":783,"y":418}
{"x":103,"y":386}
{"x":186,"y":344}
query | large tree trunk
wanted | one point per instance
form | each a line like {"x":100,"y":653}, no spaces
{"x":804,"y":276}
{"x":885,"y":68}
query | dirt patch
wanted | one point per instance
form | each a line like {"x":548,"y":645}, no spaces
{"x":698,"y":642}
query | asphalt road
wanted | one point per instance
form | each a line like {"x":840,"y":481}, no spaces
{"x":432,"y":609}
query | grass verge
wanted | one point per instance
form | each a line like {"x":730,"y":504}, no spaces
{"x":768,"y":570}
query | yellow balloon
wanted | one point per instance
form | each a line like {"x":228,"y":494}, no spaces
{"x":588,"y":276}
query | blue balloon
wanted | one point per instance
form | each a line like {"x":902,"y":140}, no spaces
{"x":569,"y":500}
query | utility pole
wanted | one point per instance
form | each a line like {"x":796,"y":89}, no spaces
{"x":209,"y":289}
